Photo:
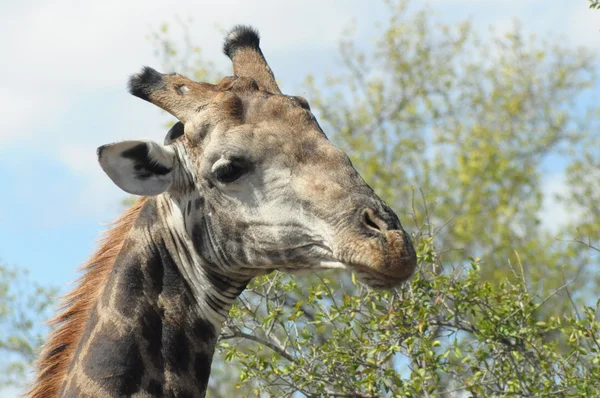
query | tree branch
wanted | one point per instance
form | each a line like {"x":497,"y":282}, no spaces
{"x":269,"y":344}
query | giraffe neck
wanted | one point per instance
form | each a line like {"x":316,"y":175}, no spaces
{"x":154,"y":328}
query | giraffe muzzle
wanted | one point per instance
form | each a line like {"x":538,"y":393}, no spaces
{"x":379,"y":251}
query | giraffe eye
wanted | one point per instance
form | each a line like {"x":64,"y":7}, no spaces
{"x":229,"y":171}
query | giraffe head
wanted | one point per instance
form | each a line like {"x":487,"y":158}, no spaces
{"x":254,"y":181}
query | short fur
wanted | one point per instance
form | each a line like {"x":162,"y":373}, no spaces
{"x":58,"y":351}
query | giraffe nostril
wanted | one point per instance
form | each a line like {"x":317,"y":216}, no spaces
{"x":370,"y":220}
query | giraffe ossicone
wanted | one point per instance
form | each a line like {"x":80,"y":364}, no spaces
{"x":245,"y":183}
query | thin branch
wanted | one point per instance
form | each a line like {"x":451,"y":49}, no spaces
{"x":269,"y":344}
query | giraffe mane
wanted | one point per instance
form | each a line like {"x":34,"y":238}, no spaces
{"x":59,"y":349}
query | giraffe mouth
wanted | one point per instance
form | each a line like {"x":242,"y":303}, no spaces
{"x":366,"y":273}
{"x":392,"y":273}
{"x":372,"y":273}
{"x":375,"y":278}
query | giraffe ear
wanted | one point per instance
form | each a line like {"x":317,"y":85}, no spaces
{"x":138,"y":167}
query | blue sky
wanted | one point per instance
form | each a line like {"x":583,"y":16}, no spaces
{"x":65,"y":68}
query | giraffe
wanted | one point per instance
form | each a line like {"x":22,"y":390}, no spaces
{"x":245,"y":183}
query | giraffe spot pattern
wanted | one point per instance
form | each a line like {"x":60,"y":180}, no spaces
{"x":155,"y":388}
{"x":202,"y":368}
{"x":176,"y":348}
{"x":122,"y":373}
{"x":130,"y":289}
{"x":152,"y":327}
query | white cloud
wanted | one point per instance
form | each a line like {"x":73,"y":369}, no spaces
{"x":60,"y":50}
{"x":572,"y":20}
{"x":11,"y":392}
{"x":97,"y":198}
{"x":69,"y":44}
{"x":583,"y":26}
{"x":80,"y":159}
{"x":25,"y":112}
{"x":556,"y":215}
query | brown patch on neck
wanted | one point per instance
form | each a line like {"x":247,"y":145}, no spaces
{"x":58,"y":351}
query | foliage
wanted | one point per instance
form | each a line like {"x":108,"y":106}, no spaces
{"x":456,"y":132}
{"x":442,"y":335}
{"x":595,"y":4}
{"x":23,"y":306}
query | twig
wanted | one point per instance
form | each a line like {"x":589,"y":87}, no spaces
{"x":271,"y":345}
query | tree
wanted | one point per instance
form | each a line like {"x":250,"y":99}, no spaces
{"x":594,"y":4}
{"x":24,"y":306}
{"x":444,"y":335}
{"x":455,"y":132}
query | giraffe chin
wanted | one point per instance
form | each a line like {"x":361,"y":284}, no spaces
{"x":382,"y":264}
{"x":366,"y":274}
{"x":379,"y":280}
